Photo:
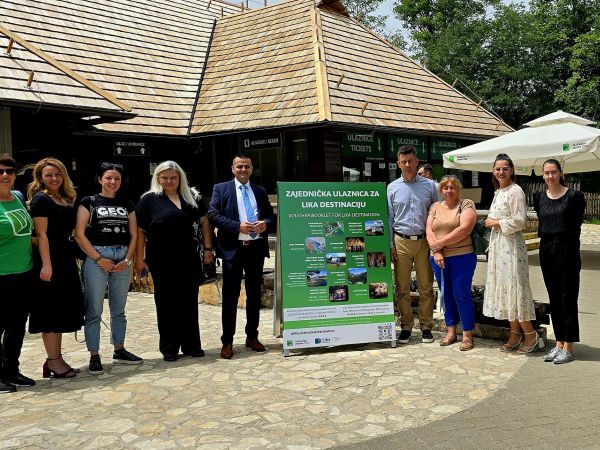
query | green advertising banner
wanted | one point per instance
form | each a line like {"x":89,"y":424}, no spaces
{"x":335,"y":261}
{"x":366,"y":145}
{"x":397,"y":141}
{"x":441,"y":146}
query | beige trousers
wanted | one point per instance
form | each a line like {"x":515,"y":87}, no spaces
{"x":415,"y":253}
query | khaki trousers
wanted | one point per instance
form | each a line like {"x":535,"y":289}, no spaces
{"x":408,"y":253}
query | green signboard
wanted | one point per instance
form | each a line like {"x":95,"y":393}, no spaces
{"x":397,"y":141}
{"x":366,"y":145}
{"x":441,"y":146}
{"x":336,"y":279}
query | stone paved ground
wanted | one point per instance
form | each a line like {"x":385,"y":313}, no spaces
{"x":370,"y":396}
{"x":313,"y":399}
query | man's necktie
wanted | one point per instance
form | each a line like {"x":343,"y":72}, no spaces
{"x":250,"y":216}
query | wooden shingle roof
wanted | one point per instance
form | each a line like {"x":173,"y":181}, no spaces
{"x":260,"y":71}
{"x":148,"y":53}
{"x":29,"y":77}
{"x":203,"y":67}
{"x":372,"y":83}
{"x":294,"y":63}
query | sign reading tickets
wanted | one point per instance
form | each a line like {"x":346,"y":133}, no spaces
{"x":397,"y":141}
{"x":441,"y":146}
{"x":366,"y":145}
{"x":336,"y":280}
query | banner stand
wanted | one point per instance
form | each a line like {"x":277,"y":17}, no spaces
{"x":333,"y":278}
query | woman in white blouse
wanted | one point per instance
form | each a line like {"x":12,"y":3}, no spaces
{"x":507,"y":291}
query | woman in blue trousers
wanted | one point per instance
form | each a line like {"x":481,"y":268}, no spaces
{"x":453,"y":259}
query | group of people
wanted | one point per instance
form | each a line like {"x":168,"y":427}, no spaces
{"x":434,"y":237}
{"x":40,"y":279}
{"x":41,"y":237}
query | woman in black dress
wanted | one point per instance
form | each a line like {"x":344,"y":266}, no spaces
{"x":168,"y":216}
{"x":58,"y":307}
{"x":560,"y":212}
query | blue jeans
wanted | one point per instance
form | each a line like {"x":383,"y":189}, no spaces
{"x":95,"y":281}
{"x":456,"y":289}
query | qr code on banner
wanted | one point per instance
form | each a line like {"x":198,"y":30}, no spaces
{"x":385,"y":332}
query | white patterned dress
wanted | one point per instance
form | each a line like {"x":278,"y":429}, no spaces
{"x":507,"y":291}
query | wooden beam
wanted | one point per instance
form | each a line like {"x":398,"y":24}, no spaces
{"x":9,"y":47}
{"x":362,"y":111}
{"x":65,"y":69}
{"x":323,"y":102}
{"x":339,"y":81}
{"x":30,"y":79}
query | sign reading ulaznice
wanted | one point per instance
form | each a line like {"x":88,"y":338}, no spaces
{"x":366,"y":145}
{"x":397,"y":141}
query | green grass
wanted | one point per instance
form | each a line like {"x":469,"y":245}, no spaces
{"x":593,"y":221}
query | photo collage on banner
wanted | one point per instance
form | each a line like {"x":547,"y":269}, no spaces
{"x":335,"y":264}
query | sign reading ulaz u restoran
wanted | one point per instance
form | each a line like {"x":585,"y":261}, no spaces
{"x":365,"y":145}
{"x":335,"y":264}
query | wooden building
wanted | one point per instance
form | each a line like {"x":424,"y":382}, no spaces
{"x":310,"y":93}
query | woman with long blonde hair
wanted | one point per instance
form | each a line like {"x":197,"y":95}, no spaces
{"x":58,"y":307}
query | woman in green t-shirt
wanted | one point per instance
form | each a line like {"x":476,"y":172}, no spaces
{"x":16,"y":271}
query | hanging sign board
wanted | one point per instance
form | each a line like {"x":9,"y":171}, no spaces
{"x":335,"y":264}
{"x":441,"y":146}
{"x":397,"y":141}
{"x":365,"y":145}
{"x":262,"y":141}
{"x":130,"y":148}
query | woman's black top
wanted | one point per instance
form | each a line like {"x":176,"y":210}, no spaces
{"x":109,"y":220}
{"x":560,"y":217}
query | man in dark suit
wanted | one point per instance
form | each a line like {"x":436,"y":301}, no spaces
{"x":241,"y":212}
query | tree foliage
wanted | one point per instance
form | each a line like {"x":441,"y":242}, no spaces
{"x":523,"y":62}
{"x":365,"y":11}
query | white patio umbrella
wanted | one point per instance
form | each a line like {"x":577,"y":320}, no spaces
{"x":569,"y":139}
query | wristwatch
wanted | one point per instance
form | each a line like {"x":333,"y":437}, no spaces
{"x":127,"y":262}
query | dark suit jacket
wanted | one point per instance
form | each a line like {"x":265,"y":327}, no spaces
{"x":223,"y":213}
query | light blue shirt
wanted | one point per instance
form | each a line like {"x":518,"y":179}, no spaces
{"x":242,"y":208}
{"x":408,"y":205}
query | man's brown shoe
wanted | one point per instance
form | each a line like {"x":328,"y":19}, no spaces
{"x":227,"y":351}
{"x":255,"y":345}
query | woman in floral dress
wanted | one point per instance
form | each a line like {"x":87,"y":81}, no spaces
{"x":507,"y":291}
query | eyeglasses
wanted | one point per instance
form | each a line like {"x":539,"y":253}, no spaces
{"x":449,"y":177}
{"x":111,"y":166}
{"x":9,"y":171}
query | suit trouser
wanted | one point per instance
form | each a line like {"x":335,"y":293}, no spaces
{"x":415,"y":253}
{"x":250,"y":260}
{"x":16,"y":295}
{"x":561,"y":263}
{"x":176,"y":300}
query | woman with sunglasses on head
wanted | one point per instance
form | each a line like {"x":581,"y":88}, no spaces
{"x":16,"y":277}
{"x":560,"y":213}
{"x":58,"y":307}
{"x":106,"y":231}
{"x":168,"y":216}
{"x":453,"y":259}
{"x":507,"y":293}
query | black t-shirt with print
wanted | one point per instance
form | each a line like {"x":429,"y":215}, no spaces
{"x":109,"y":221}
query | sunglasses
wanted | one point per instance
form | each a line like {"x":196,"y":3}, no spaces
{"x":9,"y":171}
